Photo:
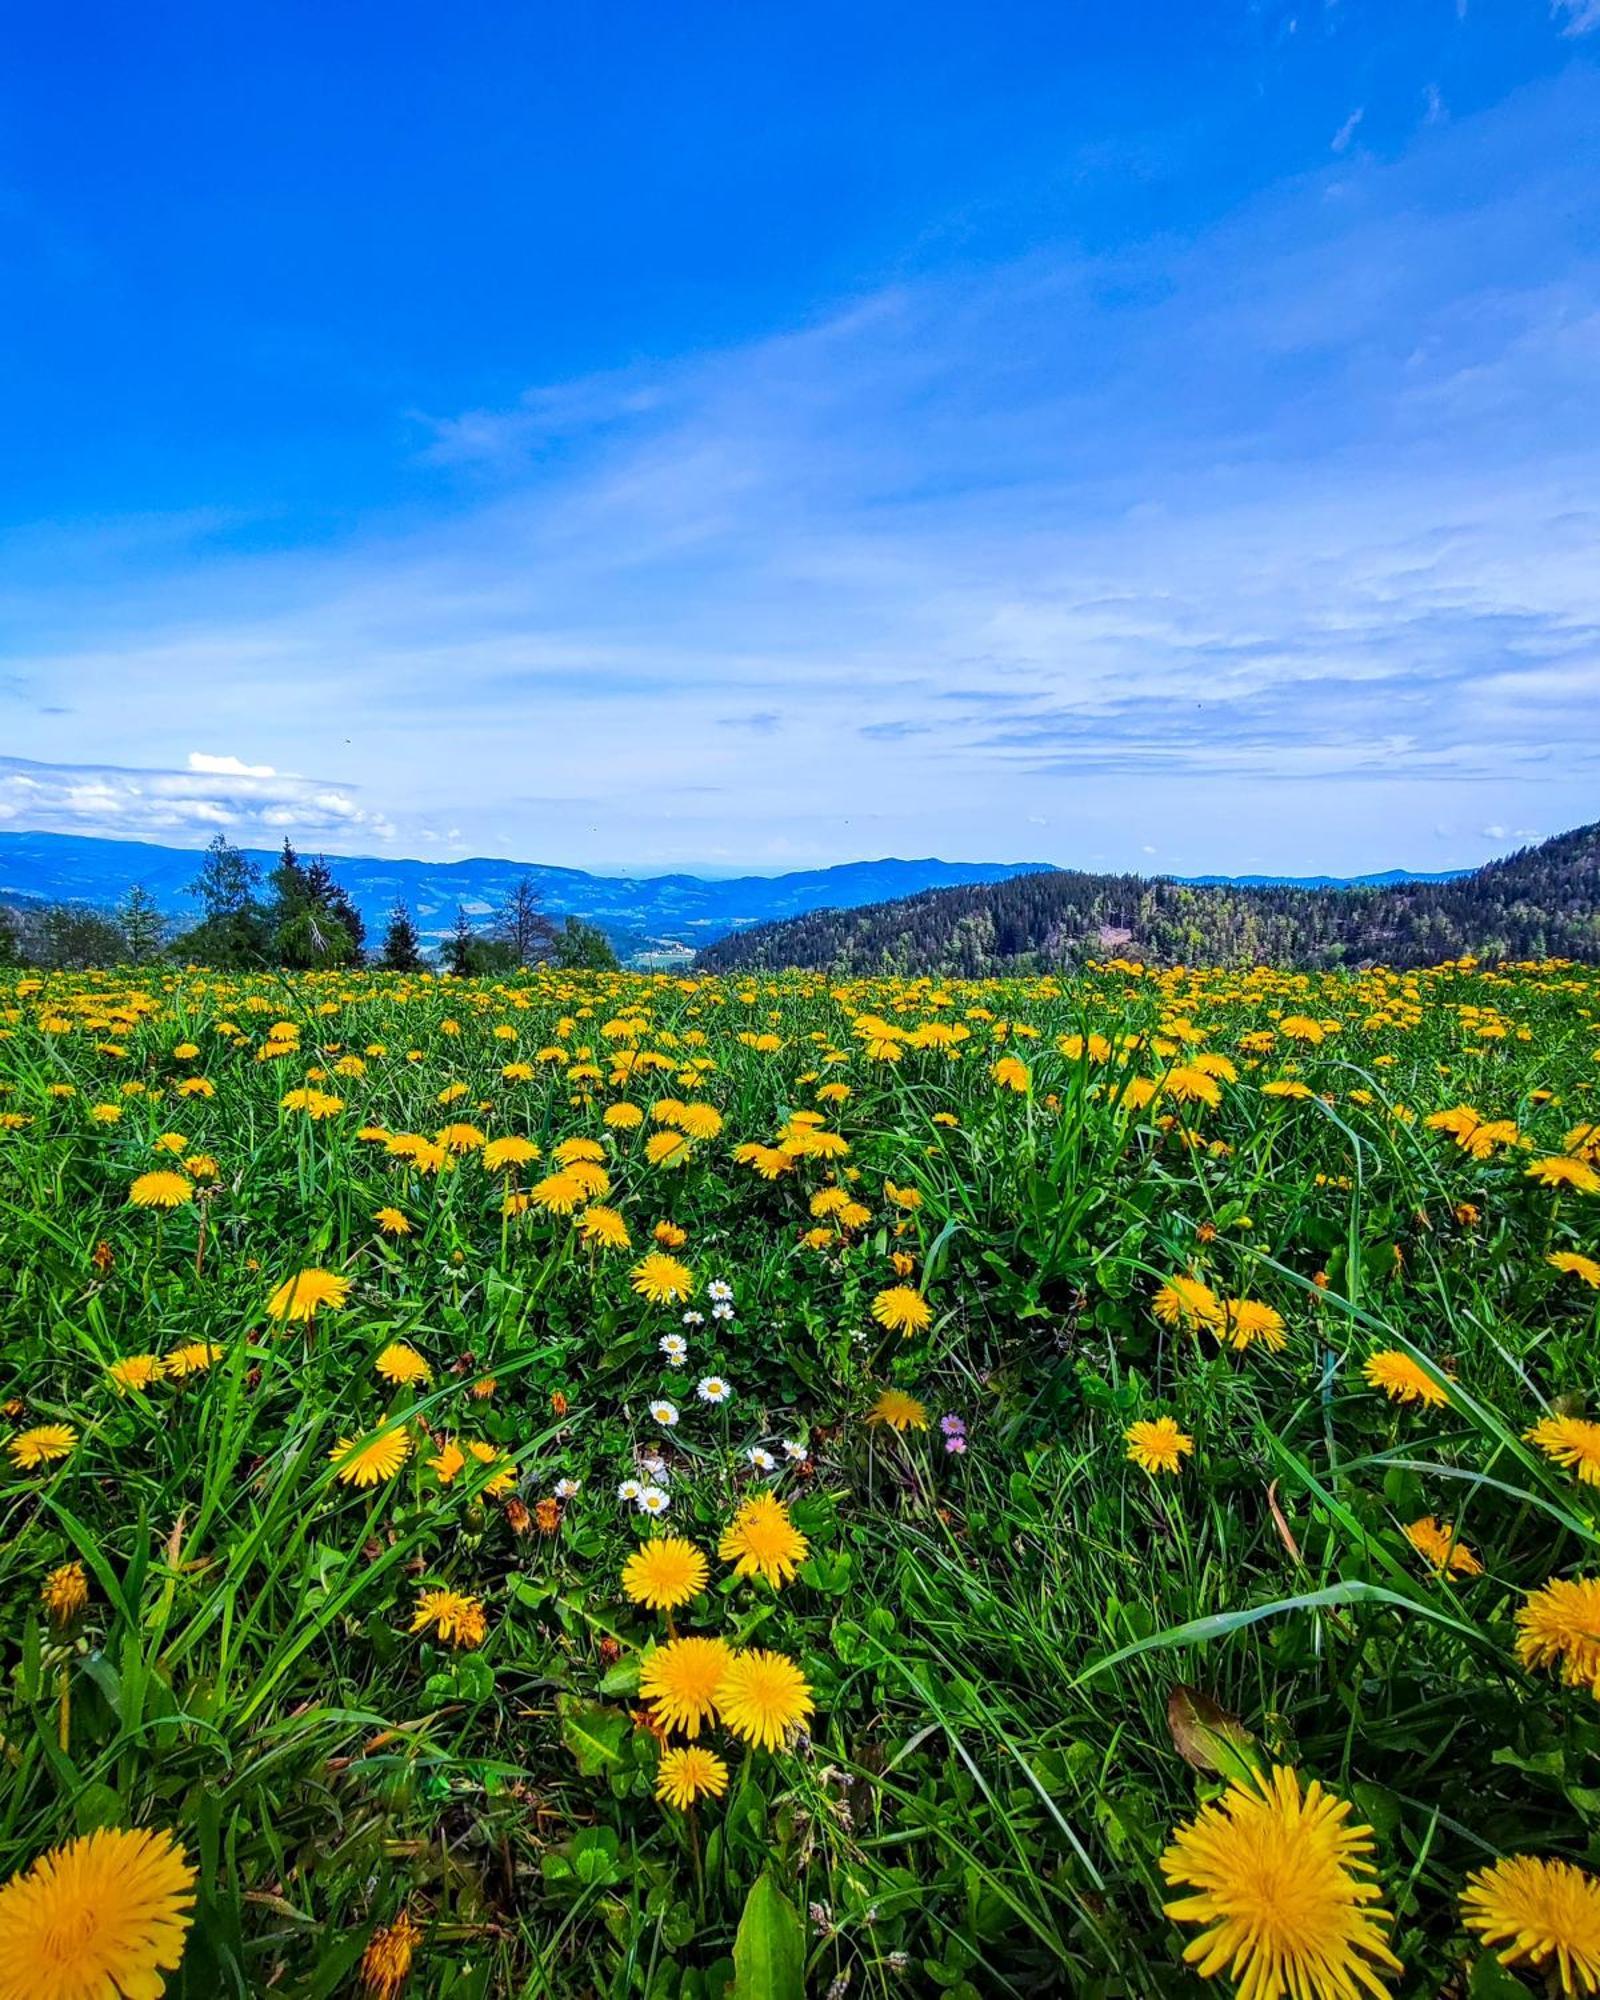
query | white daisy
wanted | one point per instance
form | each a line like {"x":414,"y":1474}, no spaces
{"x":665,"y":1413}
{"x":657,"y":1469}
{"x":653,"y":1501}
{"x":567,"y":1489}
{"x":694,"y":1319}
{"x":712,"y":1389}
{"x":793,"y":1450}
{"x":675,"y":1348}
{"x":722,"y":1312}
{"x":719,"y":1289}
{"x":763,"y":1461}
{"x":630,"y":1489}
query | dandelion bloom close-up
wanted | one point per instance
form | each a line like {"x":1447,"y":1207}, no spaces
{"x":455,"y":1617}
{"x":662,"y":1280}
{"x":687,"y":1774}
{"x":1284,"y":1889}
{"x":370,"y":1461}
{"x":1573,"y":1442}
{"x":1158,"y":1445}
{"x":402,"y":1365}
{"x":902,"y":1309}
{"x":1558,"y":1627}
{"x":1402,"y":1379}
{"x":1540,"y":1914}
{"x":763,"y":1696}
{"x":1440,"y":1544}
{"x":680,"y":1681}
{"x":899,"y":1411}
{"x":386,"y":1962}
{"x":763,"y":1541}
{"x":42,"y":1445}
{"x":104,"y":1916}
{"x":663,"y":1573}
{"x":305,"y":1294}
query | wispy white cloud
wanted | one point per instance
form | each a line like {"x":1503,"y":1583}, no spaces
{"x":1577,"y":17}
{"x":1113,"y":544}
{"x":257,"y":804}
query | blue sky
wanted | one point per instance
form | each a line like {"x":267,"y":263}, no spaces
{"x":754,"y":437}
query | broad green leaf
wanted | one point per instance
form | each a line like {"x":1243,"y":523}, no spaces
{"x":770,"y":1948}
{"x":593,"y":1733}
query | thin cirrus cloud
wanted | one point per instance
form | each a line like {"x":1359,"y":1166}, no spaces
{"x":250,"y":803}
{"x":1113,"y":544}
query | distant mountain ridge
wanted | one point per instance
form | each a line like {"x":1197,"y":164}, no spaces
{"x":1541,"y":902}
{"x":65,"y":867}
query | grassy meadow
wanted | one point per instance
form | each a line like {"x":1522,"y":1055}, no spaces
{"x":1053,"y":1409}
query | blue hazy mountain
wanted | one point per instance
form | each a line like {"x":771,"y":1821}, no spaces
{"x":65,"y":867}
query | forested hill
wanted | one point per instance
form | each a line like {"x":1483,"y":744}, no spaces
{"x":1543,"y":901}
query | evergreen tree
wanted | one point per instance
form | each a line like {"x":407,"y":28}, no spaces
{"x":313,"y":921}
{"x":581,"y":947}
{"x":70,"y":936}
{"x":402,"y":948}
{"x":10,"y":938}
{"x":333,"y":897}
{"x":458,"y":949}
{"x":234,"y":930}
{"x":144,"y":929}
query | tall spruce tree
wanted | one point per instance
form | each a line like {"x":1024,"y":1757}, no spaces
{"x":144,"y":929}
{"x":235,"y":929}
{"x":402,"y":948}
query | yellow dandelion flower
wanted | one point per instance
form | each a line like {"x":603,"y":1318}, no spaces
{"x":1561,"y":1172}
{"x":1571,"y":1265}
{"x":1157,"y":1445}
{"x":1243,"y":1321}
{"x":903,"y":1310}
{"x":664,"y":1573}
{"x":680,"y":1682}
{"x":448,"y":1462}
{"x":161,"y":1189}
{"x":134,"y":1371}
{"x":1437,"y":1541}
{"x":65,"y":1593}
{"x":194,"y":1357}
{"x":604,"y":1228}
{"x":662,"y":1280}
{"x":1545,"y":1914}
{"x":899,"y":1411}
{"x":42,"y":1445}
{"x":668,"y":1149}
{"x":402,"y":1365}
{"x":1185,"y":1301}
{"x":386,"y":1962}
{"x":763,"y":1541}
{"x":457,"y":1619}
{"x":559,"y":1193}
{"x":1402,"y":1379}
{"x":306,"y":1293}
{"x":105,"y":1915}
{"x":572,"y":1151}
{"x":392,"y":1222}
{"x":685,"y":1775}
{"x":459,"y":1138}
{"x":1284,"y":1888}
{"x":511,"y":1152}
{"x":1570,"y":1441}
{"x":1559,"y":1628}
{"x":371,"y":1460}
{"x":763,"y":1697}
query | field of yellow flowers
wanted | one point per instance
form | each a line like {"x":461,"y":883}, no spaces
{"x":629,"y":1485}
